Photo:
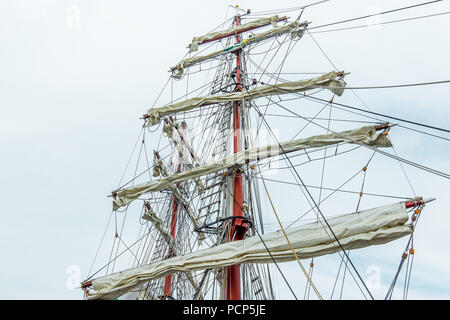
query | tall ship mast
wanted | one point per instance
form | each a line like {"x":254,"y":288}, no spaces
{"x":219,"y":192}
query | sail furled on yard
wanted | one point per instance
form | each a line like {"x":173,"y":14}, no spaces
{"x":366,"y":135}
{"x":294,"y":28}
{"x":331,"y":80}
{"x":355,"y":230}
{"x":196,"y":41}
{"x":151,"y":216}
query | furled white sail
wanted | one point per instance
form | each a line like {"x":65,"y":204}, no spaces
{"x":151,"y":216}
{"x":328,"y":80}
{"x":294,"y":28}
{"x":160,"y":169}
{"x":184,"y":149}
{"x":356,"y":230}
{"x":241,"y":28}
{"x":367,"y":135}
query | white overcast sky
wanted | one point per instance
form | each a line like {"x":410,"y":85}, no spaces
{"x":70,"y":99}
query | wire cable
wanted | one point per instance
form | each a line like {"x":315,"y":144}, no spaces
{"x":383,"y":115}
{"x":414,"y":164}
{"x":318,"y":209}
{"x":381,"y":23}
{"x":386,"y":86}
{"x":375,"y":14}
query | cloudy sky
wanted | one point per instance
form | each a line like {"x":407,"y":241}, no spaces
{"x":75,"y":76}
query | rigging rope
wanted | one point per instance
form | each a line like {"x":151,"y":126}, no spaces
{"x":297,"y":174}
{"x":287,"y":9}
{"x":316,"y":206}
{"x":281,"y":226}
{"x":419,"y":166}
{"x":404,"y":256}
{"x":388,"y":86}
{"x":368,"y":111}
{"x":262,"y":240}
{"x":307,"y":288}
{"x":288,"y":241}
{"x":386,"y":22}
{"x":375,"y":14}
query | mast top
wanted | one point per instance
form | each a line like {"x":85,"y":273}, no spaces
{"x":237,"y":9}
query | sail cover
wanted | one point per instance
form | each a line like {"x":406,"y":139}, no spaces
{"x":327,"y":80}
{"x":241,"y":28}
{"x":366,"y":135}
{"x":356,"y":230}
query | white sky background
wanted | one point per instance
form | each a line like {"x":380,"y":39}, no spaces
{"x":70,"y":100}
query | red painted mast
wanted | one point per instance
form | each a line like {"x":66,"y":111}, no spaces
{"x":239,"y":227}
{"x":173,"y":226}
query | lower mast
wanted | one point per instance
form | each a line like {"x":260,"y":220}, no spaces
{"x":238,"y":227}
